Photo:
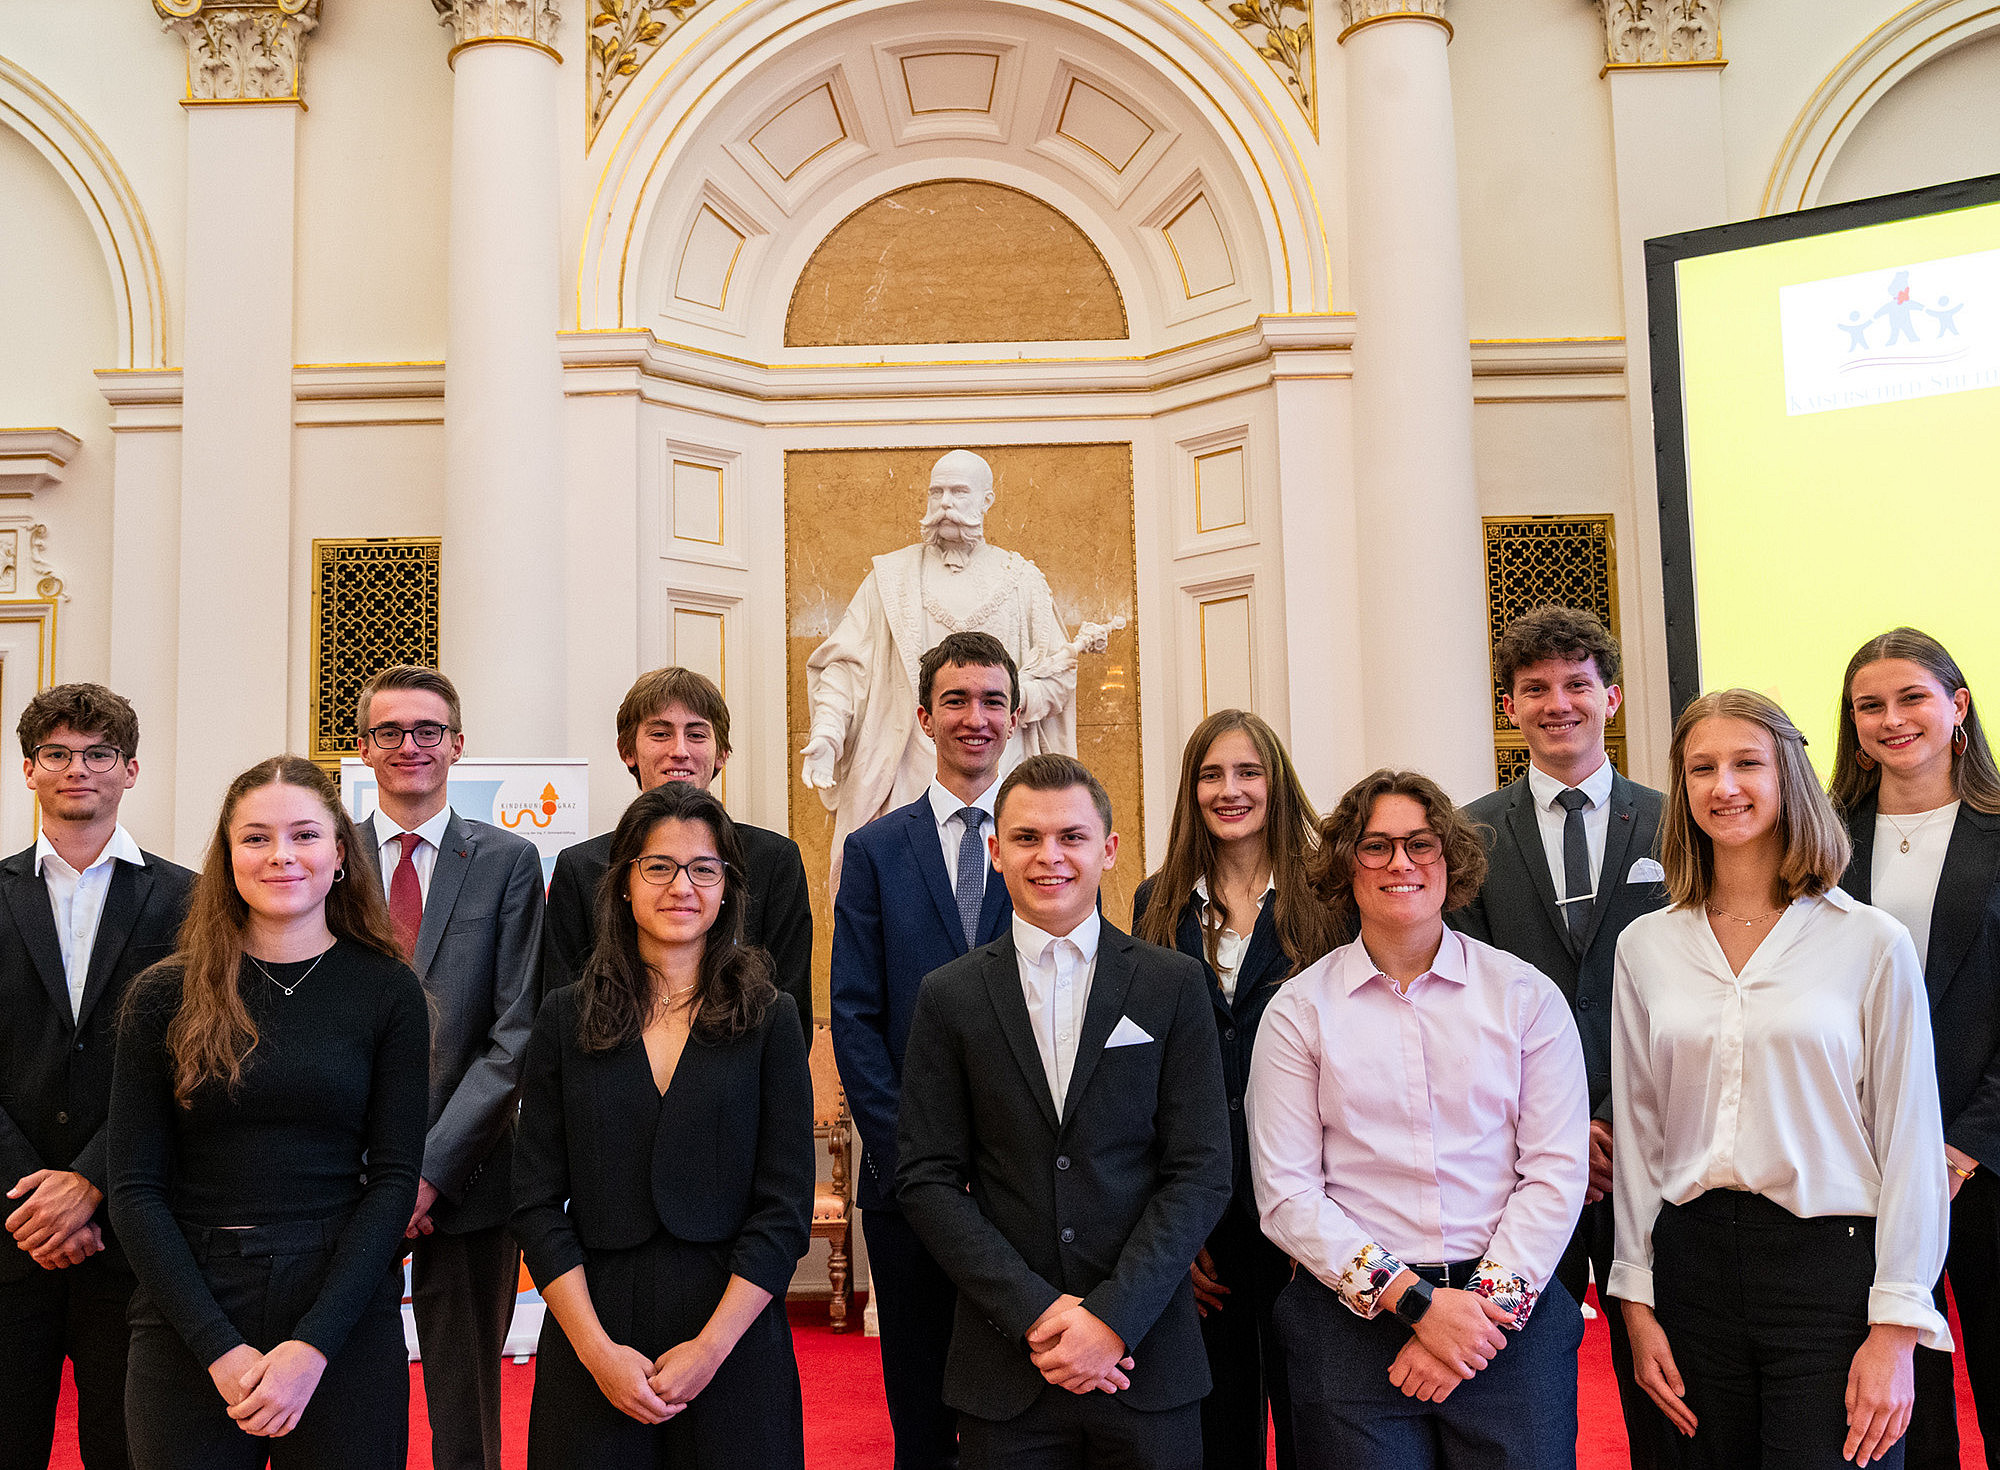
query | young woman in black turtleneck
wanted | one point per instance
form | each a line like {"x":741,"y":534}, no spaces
{"x":266,"y":1128}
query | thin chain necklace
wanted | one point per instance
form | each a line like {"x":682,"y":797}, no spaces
{"x":1906,"y":833}
{"x":1738,"y":918}
{"x":288,"y":989}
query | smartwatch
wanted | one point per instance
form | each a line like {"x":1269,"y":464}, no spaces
{"x":1413,"y":1303}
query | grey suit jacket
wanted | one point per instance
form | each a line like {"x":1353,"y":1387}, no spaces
{"x":477,"y":954}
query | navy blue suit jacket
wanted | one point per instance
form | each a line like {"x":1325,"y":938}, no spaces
{"x":895,"y":920}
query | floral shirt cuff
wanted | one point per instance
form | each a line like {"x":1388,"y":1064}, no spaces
{"x":1507,"y":1290}
{"x":1366,"y":1277}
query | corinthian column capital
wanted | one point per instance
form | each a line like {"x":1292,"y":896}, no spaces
{"x":1354,"y":14}
{"x":1656,"y":32}
{"x":473,"y":21}
{"x":243,"y":50}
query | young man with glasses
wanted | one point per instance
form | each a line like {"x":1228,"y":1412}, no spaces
{"x":465,"y":898}
{"x":674,"y":726}
{"x":81,"y":912}
{"x":1569,"y":864}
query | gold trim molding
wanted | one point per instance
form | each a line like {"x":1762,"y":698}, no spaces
{"x":1661,"y":32}
{"x":451,"y":56}
{"x":1358,"y":15}
{"x":243,"y":51}
{"x":1287,"y":47}
{"x":533,"y":21}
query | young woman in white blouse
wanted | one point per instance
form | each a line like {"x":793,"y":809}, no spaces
{"x":1917,"y":785}
{"x":1779,"y":1159}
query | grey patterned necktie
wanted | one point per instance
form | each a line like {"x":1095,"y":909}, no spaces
{"x":970,"y":883}
{"x":1576,"y":864}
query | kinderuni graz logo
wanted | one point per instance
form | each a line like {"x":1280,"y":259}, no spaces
{"x":1916,"y":329}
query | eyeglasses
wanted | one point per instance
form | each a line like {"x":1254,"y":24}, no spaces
{"x":660,"y":871}
{"x":98,"y":758}
{"x":390,"y":737}
{"x":1422,"y":848}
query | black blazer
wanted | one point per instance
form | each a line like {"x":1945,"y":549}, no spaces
{"x":1265,"y":967}
{"x":55,"y":1072}
{"x":1961,"y":971}
{"x":780,"y":920}
{"x":1515,"y":908}
{"x":602,"y":1162}
{"x":1111,"y":1203}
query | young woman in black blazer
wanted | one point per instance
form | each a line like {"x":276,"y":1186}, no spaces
{"x":266,"y":1129}
{"x":1233,"y":894}
{"x":663,"y":1174}
{"x":1920,"y":793}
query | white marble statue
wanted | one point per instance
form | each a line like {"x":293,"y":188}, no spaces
{"x":866,"y":754}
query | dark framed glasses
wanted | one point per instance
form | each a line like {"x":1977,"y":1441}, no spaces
{"x":1422,"y":848}
{"x":428,"y":735}
{"x":98,"y":758}
{"x":660,"y":871}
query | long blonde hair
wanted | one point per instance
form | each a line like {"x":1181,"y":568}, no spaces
{"x":1816,"y":846}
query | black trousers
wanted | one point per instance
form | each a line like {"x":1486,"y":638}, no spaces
{"x":1245,"y":1357}
{"x":1518,"y":1414}
{"x":1590,"y":1252}
{"x":1082,"y":1431}
{"x":1764,"y":1312}
{"x":462,"y":1290}
{"x":76,"y":1313}
{"x":1973,"y":1268}
{"x":750,"y":1417}
{"x":265,"y":1279}
{"x":914,"y":1305}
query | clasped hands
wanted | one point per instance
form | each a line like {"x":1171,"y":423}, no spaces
{"x":53,"y":1225}
{"x":1073,"y":1349}
{"x":653,"y":1390}
{"x":268,"y":1392}
{"x":1458,"y":1336}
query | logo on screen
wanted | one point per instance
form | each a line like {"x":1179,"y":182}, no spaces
{"x":1910,"y":331}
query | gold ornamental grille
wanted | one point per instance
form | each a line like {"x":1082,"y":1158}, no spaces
{"x":375,"y":603}
{"x":1532,"y":561}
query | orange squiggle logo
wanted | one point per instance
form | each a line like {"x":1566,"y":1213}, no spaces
{"x":546,"y":815}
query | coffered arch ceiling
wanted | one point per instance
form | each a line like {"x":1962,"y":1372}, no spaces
{"x":1183,"y":179}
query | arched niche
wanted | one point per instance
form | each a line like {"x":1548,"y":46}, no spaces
{"x":1935,"y":125}
{"x":954,"y":261}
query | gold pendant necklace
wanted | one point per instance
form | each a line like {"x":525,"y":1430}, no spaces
{"x":1906,"y":835}
{"x":1738,"y":918}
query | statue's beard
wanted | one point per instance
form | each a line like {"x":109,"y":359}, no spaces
{"x":953,"y":537}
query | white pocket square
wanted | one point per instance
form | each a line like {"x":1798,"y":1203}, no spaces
{"x":1646,"y":871}
{"x":1127,"y":1032}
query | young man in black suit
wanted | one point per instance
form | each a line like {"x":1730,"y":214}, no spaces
{"x":1064,"y":1153}
{"x":674,"y":726}
{"x":1570,"y":864}
{"x":84,"y":911}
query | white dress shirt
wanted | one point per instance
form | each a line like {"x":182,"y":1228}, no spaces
{"x":946,"y":807}
{"x":1229,"y":945}
{"x":1055,"y":982}
{"x":388,"y":854}
{"x":1549,"y":817}
{"x":1808,"y":1079}
{"x":78,"y":902}
{"x":1906,"y":883}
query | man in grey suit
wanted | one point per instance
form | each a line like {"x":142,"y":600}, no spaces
{"x":1570,"y":863}
{"x":466,"y":902}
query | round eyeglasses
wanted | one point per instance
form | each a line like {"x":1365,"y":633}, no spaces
{"x":660,"y":871}
{"x":428,"y":735}
{"x":1422,"y":848}
{"x":98,"y":758}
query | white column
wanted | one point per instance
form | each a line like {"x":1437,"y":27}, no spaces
{"x":503,"y":570}
{"x":232,"y":631}
{"x":1421,"y":579}
{"x":1665,"y":75}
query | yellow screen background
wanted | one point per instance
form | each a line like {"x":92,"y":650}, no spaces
{"x":1814,"y":533}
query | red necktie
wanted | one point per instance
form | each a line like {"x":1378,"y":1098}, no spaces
{"x":406,"y":896}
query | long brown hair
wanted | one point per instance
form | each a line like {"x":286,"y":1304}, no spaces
{"x":1334,"y":864}
{"x":733,"y":991}
{"x":212,"y":1034}
{"x":1975,"y":778}
{"x":1306,"y":928}
{"x":1816,"y":845}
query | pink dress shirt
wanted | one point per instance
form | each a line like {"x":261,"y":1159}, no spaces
{"x":1451,"y":1123}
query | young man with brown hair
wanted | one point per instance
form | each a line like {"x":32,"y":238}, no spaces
{"x":81,"y":912}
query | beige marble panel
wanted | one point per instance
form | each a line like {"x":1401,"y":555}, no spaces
{"x":1066,"y":507}
{"x":955,"y":261}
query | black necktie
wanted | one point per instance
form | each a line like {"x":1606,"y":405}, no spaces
{"x":1576,"y":864}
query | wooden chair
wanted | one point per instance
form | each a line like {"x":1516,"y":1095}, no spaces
{"x":833,"y":1207}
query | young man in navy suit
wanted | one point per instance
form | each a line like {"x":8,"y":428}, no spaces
{"x":916,"y":892}
{"x":1064,"y":1153}
{"x":1569,"y":864}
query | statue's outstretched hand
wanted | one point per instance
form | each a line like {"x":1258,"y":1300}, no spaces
{"x":1094,"y":637}
{"x":816,"y":765}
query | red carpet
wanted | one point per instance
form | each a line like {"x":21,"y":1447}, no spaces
{"x":847,"y":1427}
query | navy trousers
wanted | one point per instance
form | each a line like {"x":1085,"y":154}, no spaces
{"x":914,"y":1303}
{"x":1519,"y":1414}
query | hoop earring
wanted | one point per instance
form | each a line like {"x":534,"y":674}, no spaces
{"x":1959,"y":739}
{"x":1863,"y":759}
{"x":340,"y":873}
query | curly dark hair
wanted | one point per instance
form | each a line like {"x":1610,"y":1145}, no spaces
{"x":1547,"y":632}
{"x":88,"y":709}
{"x":1332,"y":864}
{"x":734,"y":991}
